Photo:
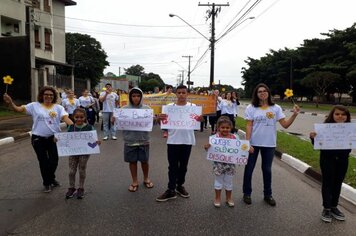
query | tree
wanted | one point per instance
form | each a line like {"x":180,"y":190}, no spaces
{"x":87,"y":56}
{"x":110,"y":74}
{"x":135,"y":70}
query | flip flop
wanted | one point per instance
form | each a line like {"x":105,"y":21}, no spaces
{"x":148,"y":184}
{"x":133,"y":188}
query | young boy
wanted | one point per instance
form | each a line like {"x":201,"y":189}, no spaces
{"x":179,"y":146}
{"x":136,"y":144}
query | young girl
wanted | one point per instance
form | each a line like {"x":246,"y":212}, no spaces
{"x":80,"y":161}
{"x":333,"y":165}
{"x":224,"y":172}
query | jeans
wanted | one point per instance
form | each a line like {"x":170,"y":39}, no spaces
{"x":267,"y":154}
{"x":178,"y":158}
{"x":47,"y":155}
{"x":106,"y":120}
{"x":333,"y":170}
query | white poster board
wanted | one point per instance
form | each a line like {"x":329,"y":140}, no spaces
{"x":181,"y":117}
{"x":77,"y":143}
{"x":133,"y":119}
{"x":335,"y":136}
{"x":232,"y":151}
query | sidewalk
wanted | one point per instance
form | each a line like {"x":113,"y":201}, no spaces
{"x":15,"y":127}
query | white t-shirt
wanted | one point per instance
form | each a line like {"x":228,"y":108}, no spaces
{"x":86,"y":101}
{"x":228,"y":107}
{"x":46,"y":121}
{"x":181,"y":136}
{"x":264,"y":129}
{"x":70,"y":105}
{"x":109,"y":102}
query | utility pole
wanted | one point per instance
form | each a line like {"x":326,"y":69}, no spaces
{"x":291,"y":74}
{"x":189,"y":83}
{"x":182,"y":76}
{"x":213,"y":13}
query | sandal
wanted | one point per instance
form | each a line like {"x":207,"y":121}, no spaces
{"x":133,"y":188}
{"x":148,"y":184}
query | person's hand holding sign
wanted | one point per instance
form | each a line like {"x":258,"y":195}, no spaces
{"x":163,"y":117}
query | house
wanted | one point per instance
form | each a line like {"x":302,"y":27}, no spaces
{"x":32,"y":45}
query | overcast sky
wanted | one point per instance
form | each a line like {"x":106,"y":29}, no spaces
{"x":141,"y":32}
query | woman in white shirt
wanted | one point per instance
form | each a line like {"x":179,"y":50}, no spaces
{"x":46,"y":115}
{"x":261,"y":116}
{"x":228,"y":108}
{"x":70,"y":104}
{"x":87,"y":102}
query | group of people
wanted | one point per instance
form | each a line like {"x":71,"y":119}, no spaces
{"x":261,"y":116}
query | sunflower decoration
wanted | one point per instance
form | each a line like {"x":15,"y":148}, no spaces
{"x":71,"y":101}
{"x":52,"y":114}
{"x":244,"y":147}
{"x":289,"y":94}
{"x":8,"y":81}
{"x":270,"y":115}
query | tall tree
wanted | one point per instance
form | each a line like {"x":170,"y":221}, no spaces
{"x":135,"y":70}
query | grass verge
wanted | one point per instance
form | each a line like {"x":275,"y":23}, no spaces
{"x":303,"y":150}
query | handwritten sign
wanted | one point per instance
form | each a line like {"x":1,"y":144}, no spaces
{"x":77,"y":143}
{"x":181,"y":117}
{"x":133,"y":119}
{"x":232,"y":151}
{"x":335,"y":136}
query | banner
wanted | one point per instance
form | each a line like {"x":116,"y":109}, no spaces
{"x":181,"y":117}
{"x":133,"y":119}
{"x":156,"y":101}
{"x":77,"y":143}
{"x":231,"y":151}
{"x":335,"y":136}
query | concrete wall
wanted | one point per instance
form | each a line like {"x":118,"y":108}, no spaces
{"x":12,"y":11}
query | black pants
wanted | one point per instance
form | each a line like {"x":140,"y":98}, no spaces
{"x":47,"y":155}
{"x":212,"y":122}
{"x":203,"y":124}
{"x":333,"y":170}
{"x":178,"y":158}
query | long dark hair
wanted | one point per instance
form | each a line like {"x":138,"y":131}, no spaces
{"x":330,"y":117}
{"x":256,"y":101}
{"x":42,"y":91}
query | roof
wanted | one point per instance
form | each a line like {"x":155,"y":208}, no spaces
{"x":43,"y":61}
{"x":68,"y":2}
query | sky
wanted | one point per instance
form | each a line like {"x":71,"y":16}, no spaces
{"x":141,"y":32}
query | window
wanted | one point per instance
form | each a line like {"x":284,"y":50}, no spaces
{"x":37,"y":38}
{"x":36,"y":4}
{"x":46,"y":6}
{"x":48,"y":45}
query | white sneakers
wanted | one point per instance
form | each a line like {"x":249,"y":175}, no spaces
{"x":114,"y":138}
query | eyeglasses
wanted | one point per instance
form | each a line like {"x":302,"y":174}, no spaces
{"x":262,"y":91}
{"x":48,"y":95}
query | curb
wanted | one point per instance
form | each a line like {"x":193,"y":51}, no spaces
{"x":21,"y":136}
{"x":347,"y":192}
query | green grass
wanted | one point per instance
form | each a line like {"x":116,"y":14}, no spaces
{"x":303,"y":150}
{"x":6,"y":112}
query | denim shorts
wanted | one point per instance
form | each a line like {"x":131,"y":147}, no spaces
{"x":136,"y":153}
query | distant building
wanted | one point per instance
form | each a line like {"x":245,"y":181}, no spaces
{"x":32,"y":44}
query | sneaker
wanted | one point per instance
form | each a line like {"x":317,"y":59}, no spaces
{"x":169,"y":194}
{"x":80,"y":193}
{"x":326,"y":216}
{"x":270,"y":201}
{"x":105,"y":138}
{"x":55,"y":184}
{"x":247,"y":199}
{"x":114,"y":138}
{"x":182,"y":192}
{"x":47,"y":189}
{"x":337,"y":214}
{"x":70,"y":193}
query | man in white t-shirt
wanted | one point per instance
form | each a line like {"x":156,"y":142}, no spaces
{"x":179,"y":146}
{"x":110,"y":101}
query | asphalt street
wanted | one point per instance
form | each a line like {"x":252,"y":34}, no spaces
{"x":110,"y":209}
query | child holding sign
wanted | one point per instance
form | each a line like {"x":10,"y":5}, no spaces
{"x":333,"y":165}
{"x":79,"y":161}
{"x":224,"y":172}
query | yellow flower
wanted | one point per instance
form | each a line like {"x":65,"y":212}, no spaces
{"x":244,"y":147}
{"x":7,"y":79}
{"x":269,"y":115}
{"x":52,"y":114}
{"x":104,"y":89}
{"x":223,"y":89}
{"x":288,"y":93}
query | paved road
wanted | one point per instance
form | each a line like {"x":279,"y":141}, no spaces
{"x":109,"y":209}
{"x":13,"y":127}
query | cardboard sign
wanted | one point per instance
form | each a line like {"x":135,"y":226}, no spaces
{"x":133,"y":119}
{"x":231,"y":151}
{"x":181,"y":117}
{"x":335,"y":136}
{"x":77,"y":143}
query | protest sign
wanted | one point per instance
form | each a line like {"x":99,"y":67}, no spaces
{"x":77,"y":143}
{"x":231,"y":151}
{"x":335,"y":136}
{"x":181,"y":117}
{"x":133,"y":119}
